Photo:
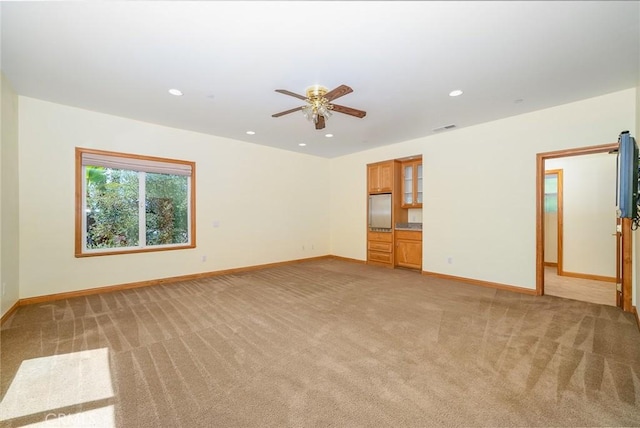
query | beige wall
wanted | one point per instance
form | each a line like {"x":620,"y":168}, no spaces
{"x":9,"y":215}
{"x":589,"y":191}
{"x":479,"y":194}
{"x":479,"y":186}
{"x":269,"y":203}
{"x":348,"y":180}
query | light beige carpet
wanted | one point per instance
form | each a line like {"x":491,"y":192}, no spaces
{"x":318,"y":344}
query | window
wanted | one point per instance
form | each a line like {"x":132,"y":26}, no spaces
{"x":130,"y":203}
{"x":551,"y":193}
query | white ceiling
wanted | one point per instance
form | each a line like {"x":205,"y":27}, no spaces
{"x":401,"y":59}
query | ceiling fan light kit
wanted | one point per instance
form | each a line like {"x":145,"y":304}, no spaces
{"x":319,"y":107}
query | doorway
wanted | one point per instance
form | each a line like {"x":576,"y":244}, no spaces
{"x":623,"y":235}
{"x":553,"y":219}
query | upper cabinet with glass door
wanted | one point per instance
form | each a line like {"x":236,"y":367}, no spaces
{"x":412,"y":184}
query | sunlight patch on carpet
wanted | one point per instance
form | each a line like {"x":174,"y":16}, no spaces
{"x":50,"y":383}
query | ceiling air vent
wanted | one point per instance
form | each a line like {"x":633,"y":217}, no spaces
{"x":443,"y":128}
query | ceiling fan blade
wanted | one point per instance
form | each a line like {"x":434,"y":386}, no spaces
{"x":282,"y":113}
{"x":320,"y":122}
{"x":338,"y":92}
{"x":349,"y":111}
{"x":284,"y":91}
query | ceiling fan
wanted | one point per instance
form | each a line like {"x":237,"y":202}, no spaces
{"x":319,"y":106}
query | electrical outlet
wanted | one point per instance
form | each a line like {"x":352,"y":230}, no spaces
{"x":4,"y":288}
{"x":204,"y":258}
{"x":303,"y":248}
{"x":450,"y":260}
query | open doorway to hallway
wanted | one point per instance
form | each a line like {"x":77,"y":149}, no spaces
{"x":580,"y":228}
{"x":586,"y":252}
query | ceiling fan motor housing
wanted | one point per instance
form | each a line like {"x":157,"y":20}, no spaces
{"x":316,"y":92}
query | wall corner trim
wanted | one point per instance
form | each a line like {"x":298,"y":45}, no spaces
{"x":522,"y":290}
{"x":10,"y":312}
{"x":347,"y":259}
{"x":634,"y":310}
{"x":147,"y":283}
{"x":159,"y":281}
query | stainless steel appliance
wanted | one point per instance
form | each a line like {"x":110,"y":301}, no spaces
{"x":380,"y":212}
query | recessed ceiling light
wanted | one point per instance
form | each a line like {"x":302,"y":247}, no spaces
{"x":176,"y":92}
{"x":518,"y":101}
{"x":302,"y":144}
{"x":251,"y":132}
{"x":455,"y":93}
{"x":328,"y":135}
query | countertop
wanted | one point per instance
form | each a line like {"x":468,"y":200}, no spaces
{"x":409,"y":226}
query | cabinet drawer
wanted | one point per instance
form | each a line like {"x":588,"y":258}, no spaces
{"x":411,"y":235}
{"x":380,"y":236}
{"x":380,"y":246}
{"x":377,"y":256}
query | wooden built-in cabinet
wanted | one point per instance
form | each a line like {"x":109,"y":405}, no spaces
{"x":383,"y":177}
{"x":412,"y":183}
{"x":408,"y":251}
{"x":402,"y":178}
{"x":380,"y":177}
{"x":380,"y":248}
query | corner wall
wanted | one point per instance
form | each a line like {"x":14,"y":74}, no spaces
{"x":255,"y":205}
{"x":480,"y":187}
{"x":9,"y":198}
